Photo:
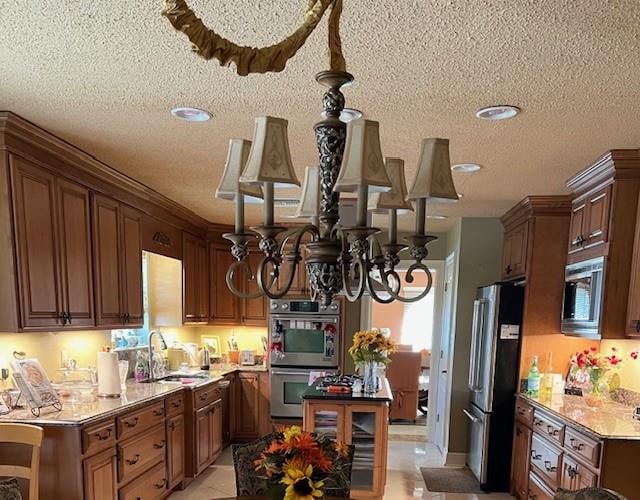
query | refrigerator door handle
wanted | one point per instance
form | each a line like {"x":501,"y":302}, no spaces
{"x":474,"y":340}
{"x":481,"y":339}
{"x":477,"y":336}
{"x":474,"y":419}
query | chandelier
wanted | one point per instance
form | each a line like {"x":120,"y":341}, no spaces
{"x":339,"y":259}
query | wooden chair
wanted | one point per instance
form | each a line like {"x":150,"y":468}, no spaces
{"x":29,"y":435}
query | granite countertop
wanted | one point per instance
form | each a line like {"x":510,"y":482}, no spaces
{"x":383,"y":394}
{"x":610,"y":421}
{"x":90,"y":408}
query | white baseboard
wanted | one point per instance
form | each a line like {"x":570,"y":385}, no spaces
{"x":455,"y":459}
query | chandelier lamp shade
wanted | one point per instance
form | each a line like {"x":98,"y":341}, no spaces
{"x":339,"y":259}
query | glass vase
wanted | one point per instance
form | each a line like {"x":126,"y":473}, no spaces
{"x":595,"y":392}
{"x":370,"y":377}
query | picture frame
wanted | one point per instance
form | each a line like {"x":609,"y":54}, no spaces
{"x":212,"y":343}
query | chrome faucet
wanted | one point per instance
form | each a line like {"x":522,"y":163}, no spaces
{"x":163,"y":345}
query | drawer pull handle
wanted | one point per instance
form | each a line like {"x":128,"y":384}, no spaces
{"x":160,"y":445}
{"x":177,"y":404}
{"x":101,"y":436}
{"x":203,"y":397}
{"x":161,"y":484}
{"x":134,"y":460}
{"x":577,"y":447}
{"x":534,"y":456}
{"x":131,"y":423}
{"x":159,"y":412}
{"x":552,"y":432}
{"x":532,"y":496}
{"x":548,"y":467}
{"x":537,"y":422}
{"x":572,"y":471}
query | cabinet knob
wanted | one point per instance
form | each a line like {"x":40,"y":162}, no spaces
{"x":508,"y":269}
{"x":131,"y":423}
{"x":63,"y":318}
{"x":161,"y":484}
{"x":159,"y":412}
{"x":101,"y":436}
{"x":160,"y":445}
{"x":572,"y":471}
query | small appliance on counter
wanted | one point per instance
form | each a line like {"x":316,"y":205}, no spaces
{"x":109,"y":385}
{"x":248,"y":357}
{"x":205,"y":359}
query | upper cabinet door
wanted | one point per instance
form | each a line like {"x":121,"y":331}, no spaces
{"x":514,"y":257}
{"x":131,"y":234}
{"x":596,"y":224}
{"x":106,"y":257}
{"x":576,"y":236}
{"x":195,"y":280}
{"x":254,"y":311}
{"x":34,"y":212}
{"x":633,"y":308}
{"x":225,"y":306}
{"x":75,"y":253}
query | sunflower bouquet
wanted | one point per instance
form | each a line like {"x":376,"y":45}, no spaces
{"x":371,"y":346}
{"x":304,"y":464}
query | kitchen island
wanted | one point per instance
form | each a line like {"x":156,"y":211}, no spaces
{"x":155,"y":438}
{"x":358,"y":419}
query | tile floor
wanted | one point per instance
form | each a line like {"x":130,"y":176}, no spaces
{"x":404,"y":480}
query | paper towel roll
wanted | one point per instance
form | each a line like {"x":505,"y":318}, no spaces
{"x":108,"y":375}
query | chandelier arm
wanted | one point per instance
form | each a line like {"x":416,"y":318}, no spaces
{"x":346,"y":268}
{"x":374,"y":294}
{"x":229,"y":279}
{"x":409,"y":279}
{"x":263,"y":269}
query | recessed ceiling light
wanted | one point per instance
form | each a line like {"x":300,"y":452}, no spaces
{"x":191,"y":114}
{"x":501,"y":112}
{"x":437,"y":217}
{"x":346,"y":115}
{"x":466,"y":168}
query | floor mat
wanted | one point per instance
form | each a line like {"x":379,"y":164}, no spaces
{"x":450,"y":480}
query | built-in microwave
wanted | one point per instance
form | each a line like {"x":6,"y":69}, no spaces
{"x":582,"y":304}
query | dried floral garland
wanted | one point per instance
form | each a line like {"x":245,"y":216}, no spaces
{"x":209,"y":45}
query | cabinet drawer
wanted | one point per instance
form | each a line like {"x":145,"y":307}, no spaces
{"x":546,"y":460}
{"x":149,"y":486}
{"x":549,"y":427}
{"x":98,"y":437}
{"x":583,"y":446}
{"x":139,"y":421}
{"x":538,"y":490}
{"x":174,"y":405}
{"x":206,"y":396}
{"x":137,"y":454}
{"x":524,"y":412}
{"x":576,"y":476}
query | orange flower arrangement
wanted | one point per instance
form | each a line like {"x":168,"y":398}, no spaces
{"x":303,"y":462}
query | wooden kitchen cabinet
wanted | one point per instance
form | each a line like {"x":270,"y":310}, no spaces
{"x":100,"y":476}
{"x":208,"y":446}
{"x":514,"y":258}
{"x":251,"y":415}
{"x":520,"y":462}
{"x":361,"y":424}
{"x":633,"y":306}
{"x":117,"y":250}
{"x":53,"y":249}
{"x":590,"y":221}
{"x":195,"y":280}
{"x":254,"y":311}
{"x":605,"y":208}
{"x":175,"y":449}
{"x":225,"y":306}
{"x":576,"y":476}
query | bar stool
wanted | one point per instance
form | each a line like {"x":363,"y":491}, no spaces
{"x":29,"y":435}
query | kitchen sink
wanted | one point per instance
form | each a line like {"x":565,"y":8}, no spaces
{"x":182,"y":377}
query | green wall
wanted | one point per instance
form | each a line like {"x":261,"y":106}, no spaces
{"x":478,"y":245}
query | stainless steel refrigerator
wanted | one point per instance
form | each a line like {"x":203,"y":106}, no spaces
{"x":493,"y":382}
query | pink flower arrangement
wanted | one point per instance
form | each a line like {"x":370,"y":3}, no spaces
{"x":593,"y":359}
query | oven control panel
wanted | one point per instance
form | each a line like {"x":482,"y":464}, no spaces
{"x":303,"y":307}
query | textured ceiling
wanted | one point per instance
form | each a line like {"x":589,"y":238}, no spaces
{"x":103,"y":75}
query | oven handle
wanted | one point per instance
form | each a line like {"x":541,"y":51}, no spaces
{"x":280,"y":372}
{"x":298,"y":317}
